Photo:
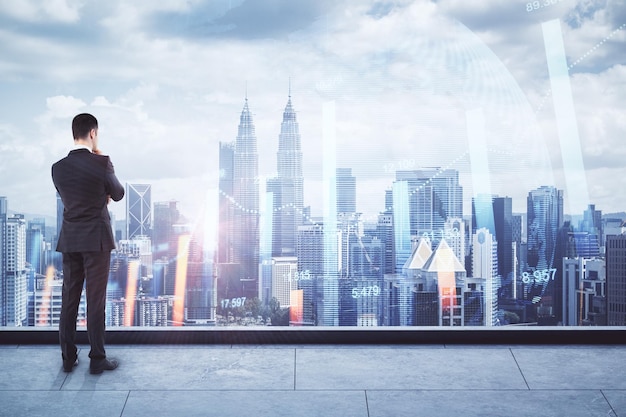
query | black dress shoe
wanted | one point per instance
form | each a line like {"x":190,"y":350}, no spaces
{"x":69,"y":365}
{"x":97,"y":367}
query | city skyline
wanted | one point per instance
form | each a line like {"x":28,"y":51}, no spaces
{"x":404,"y":76}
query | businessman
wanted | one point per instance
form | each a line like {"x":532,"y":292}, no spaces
{"x":86,"y":182}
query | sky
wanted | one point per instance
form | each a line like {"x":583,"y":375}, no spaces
{"x":377,"y":86}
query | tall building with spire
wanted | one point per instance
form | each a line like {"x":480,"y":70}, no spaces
{"x":245,"y":242}
{"x":287,"y":186}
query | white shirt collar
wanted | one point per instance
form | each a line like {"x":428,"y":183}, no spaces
{"x":82,"y":147}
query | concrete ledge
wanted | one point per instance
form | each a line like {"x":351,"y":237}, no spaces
{"x":334,"y":335}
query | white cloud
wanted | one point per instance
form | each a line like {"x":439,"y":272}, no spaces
{"x":64,"y":106}
{"x":402,"y":82}
{"x":64,"y":11}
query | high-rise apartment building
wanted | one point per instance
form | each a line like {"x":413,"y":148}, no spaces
{"x":518,"y":261}
{"x":616,"y":279}
{"x":138,"y":210}
{"x":496,"y":214}
{"x":3,"y":257}
{"x":485,"y":265}
{"x":245,"y":242}
{"x":13,"y":276}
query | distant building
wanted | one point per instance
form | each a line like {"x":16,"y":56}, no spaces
{"x":47,"y":303}
{"x":584,"y":292}
{"x":287,"y":187}
{"x":13,"y":273}
{"x":485,"y":265}
{"x":545,"y":217}
{"x":245,"y":241}
{"x":616,"y":280}
{"x":346,"y":191}
{"x":449,"y":273}
{"x":138,"y":210}
{"x":319,"y":275}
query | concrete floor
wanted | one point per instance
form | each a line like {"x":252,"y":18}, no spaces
{"x":319,"y":380}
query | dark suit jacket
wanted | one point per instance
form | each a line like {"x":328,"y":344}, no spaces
{"x":84,"y":180}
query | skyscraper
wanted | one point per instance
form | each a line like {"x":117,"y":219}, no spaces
{"x":246,"y":203}
{"x":545,"y":216}
{"x":616,"y":279}
{"x":13,"y":277}
{"x":485,"y":265}
{"x":592,"y":222}
{"x":434,"y":195}
{"x":346,"y":191}
{"x":138,"y":210}
{"x":287,"y":186}
{"x":226,"y":207}
{"x":3,"y":258}
{"x":166,"y":233}
{"x":310,"y":254}
{"x":499,"y":224}
{"x":35,"y":245}
{"x":166,"y":215}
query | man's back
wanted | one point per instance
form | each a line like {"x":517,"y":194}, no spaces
{"x":85,"y":181}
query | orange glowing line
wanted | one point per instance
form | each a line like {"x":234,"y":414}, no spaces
{"x":178,"y":315}
{"x":44,"y":317}
{"x":131,"y":293}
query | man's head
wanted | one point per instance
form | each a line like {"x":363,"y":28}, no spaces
{"x":85,"y":130}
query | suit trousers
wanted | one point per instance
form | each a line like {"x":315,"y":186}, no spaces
{"x":92,"y":269}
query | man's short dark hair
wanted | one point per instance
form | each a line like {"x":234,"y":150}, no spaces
{"x":82,"y":125}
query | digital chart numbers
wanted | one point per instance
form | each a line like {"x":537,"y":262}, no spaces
{"x":535,"y":5}
{"x":540,"y":276}
{"x":299,"y":276}
{"x":233,"y":302}
{"x":369,"y":291}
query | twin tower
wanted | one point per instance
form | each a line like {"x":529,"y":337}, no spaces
{"x":239,"y":242}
